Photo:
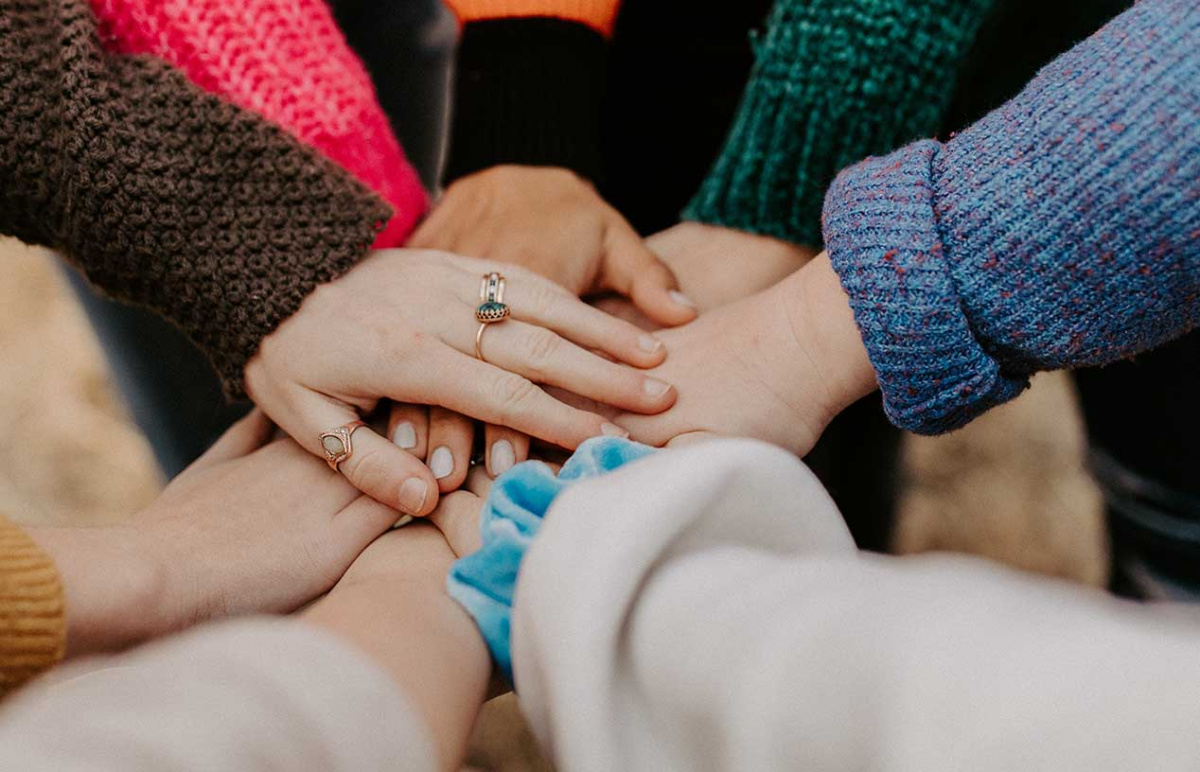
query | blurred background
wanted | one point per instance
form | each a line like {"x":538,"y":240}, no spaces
{"x":1011,"y":486}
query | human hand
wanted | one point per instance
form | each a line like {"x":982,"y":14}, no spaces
{"x":776,"y":366}
{"x":247,"y":528}
{"x":715,"y":266}
{"x":554,"y":223}
{"x":401,"y":325}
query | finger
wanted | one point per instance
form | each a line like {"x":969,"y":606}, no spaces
{"x":250,"y":433}
{"x":457,"y":517}
{"x":408,"y":427}
{"x":360,"y":523}
{"x":375,"y":466}
{"x":503,"y":448}
{"x":451,"y":436}
{"x":544,"y":305}
{"x":489,"y":394}
{"x":544,"y":357}
{"x":631,"y":269}
{"x":692,"y":438}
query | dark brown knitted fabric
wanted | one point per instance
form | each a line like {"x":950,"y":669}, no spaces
{"x":163,"y":194}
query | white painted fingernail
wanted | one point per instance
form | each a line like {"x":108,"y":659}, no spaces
{"x":681,"y":298}
{"x":441,"y":463}
{"x":612,"y":430}
{"x":412,"y":495}
{"x":655,"y":388}
{"x":405,"y":435}
{"x":649,"y":343}
{"x":503,"y":457}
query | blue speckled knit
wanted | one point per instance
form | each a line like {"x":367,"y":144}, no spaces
{"x":1061,"y":230}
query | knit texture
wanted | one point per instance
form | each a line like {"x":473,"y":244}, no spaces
{"x":835,"y":80}
{"x":33,"y":627}
{"x":1061,"y":230}
{"x":600,"y":15}
{"x":530,"y":92}
{"x":287,"y":61}
{"x":166,"y":196}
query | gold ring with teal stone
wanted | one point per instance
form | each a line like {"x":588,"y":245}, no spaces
{"x":491,"y":308}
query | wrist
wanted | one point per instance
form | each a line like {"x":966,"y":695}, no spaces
{"x":822,"y":323}
{"x":114,"y":587}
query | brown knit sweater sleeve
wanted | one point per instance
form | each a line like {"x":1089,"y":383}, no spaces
{"x":163,"y":194}
{"x":33,"y":630}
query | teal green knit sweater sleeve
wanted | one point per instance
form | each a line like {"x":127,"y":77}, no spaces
{"x":834,"y":82}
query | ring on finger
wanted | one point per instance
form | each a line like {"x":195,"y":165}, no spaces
{"x":491,"y":307}
{"x":337,"y":445}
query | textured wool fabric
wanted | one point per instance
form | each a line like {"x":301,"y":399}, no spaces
{"x":600,"y":15}
{"x":484,"y":582}
{"x":33,"y":627}
{"x":530,"y":92}
{"x":164,"y":195}
{"x":287,"y":61}
{"x":835,"y":80}
{"x":1061,"y":230}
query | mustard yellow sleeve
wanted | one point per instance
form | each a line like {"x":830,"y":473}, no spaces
{"x":33,"y":629}
{"x":600,"y":15}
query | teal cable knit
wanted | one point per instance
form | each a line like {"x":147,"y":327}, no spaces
{"x":835,"y":81}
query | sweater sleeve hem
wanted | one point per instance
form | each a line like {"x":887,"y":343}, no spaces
{"x":33,"y":628}
{"x":528,"y":91}
{"x":883,"y":238}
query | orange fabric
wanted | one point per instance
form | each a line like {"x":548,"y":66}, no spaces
{"x":33,"y":627}
{"x":600,"y":15}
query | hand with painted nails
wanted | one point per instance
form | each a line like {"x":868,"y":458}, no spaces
{"x":555,"y":224}
{"x":776,"y":366}
{"x":402,"y":326}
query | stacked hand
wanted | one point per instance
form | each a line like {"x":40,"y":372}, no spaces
{"x":401,"y":325}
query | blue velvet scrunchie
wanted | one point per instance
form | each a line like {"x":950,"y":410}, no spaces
{"x":484,"y":582}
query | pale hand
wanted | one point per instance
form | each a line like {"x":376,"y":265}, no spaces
{"x":776,"y":366}
{"x":401,"y":325}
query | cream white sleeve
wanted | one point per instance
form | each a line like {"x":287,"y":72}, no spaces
{"x":252,"y":696}
{"x":705,"y":609}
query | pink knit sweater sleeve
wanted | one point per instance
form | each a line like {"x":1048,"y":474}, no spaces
{"x":287,"y":61}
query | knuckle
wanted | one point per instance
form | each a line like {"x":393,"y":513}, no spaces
{"x":543,"y":349}
{"x":370,"y":469}
{"x":513,"y":394}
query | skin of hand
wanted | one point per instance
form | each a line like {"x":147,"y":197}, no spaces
{"x":248,"y":528}
{"x":554,"y":223}
{"x":401,"y":325}
{"x":393,"y":606}
{"x":777,"y":366}
{"x":714,"y":266}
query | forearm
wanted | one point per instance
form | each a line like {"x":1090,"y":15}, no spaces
{"x":164,"y":195}
{"x":408,"y":626}
{"x":1059,"y":231}
{"x":834,"y":82}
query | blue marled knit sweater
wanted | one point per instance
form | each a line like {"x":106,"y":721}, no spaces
{"x":1061,"y":230}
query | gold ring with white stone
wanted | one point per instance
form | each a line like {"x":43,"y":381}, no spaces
{"x":336,"y":444}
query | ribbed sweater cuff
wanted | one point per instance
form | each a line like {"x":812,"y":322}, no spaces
{"x":33,"y":629}
{"x":528,"y":91}
{"x":882,"y":234}
{"x":834,"y":82}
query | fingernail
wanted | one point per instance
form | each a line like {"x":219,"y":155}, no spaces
{"x":503,"y":457}
{"x":655,"y":387}
{"x":681,"y":299}
{"x":649,"y":343}
{"x":405,"y":435}
{"x":612,"y":430}
{"x":441,"y":463}
{"x":412,"y":495}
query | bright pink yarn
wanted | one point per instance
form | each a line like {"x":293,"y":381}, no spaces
{"x":287,"y":61}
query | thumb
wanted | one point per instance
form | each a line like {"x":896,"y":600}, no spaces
{"x":631,"y":269}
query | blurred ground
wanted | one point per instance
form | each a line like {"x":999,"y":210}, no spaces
{"x":1011,"y":486}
